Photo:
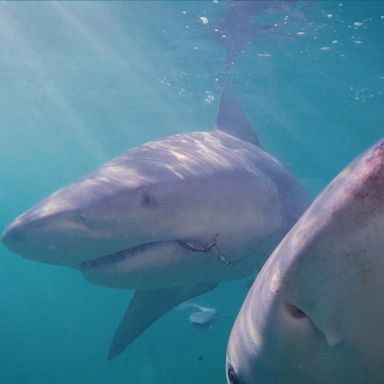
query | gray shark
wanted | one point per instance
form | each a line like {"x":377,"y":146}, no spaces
{"x":170,"y":218}
{"x":315,"y":312}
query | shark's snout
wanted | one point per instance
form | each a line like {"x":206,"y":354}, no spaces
{"x":13,"y":238}
{"x":23,"y":235}
{"x":44,"y":237}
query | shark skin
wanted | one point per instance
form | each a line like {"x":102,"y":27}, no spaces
{"x":315,"y":312}
{"x":172,"y":218}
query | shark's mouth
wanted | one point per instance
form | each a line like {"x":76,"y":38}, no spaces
{"x":117,"y":257}
{"x":123,"y":255}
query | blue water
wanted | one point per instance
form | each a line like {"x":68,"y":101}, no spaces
{"x":82,"y":82}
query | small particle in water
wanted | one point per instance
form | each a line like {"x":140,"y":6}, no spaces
{"x":358,"y":42}
{"x":215,"y":1}
{"x":358,"y":24}
{"x":335,"y":41}
{"x":329,"y":15}
{"x":325,"y":48}
{"x":382,"y":17}
{"x":203,"y":19}
{"x":184,"y":93}
{"x":381,"y":77}
{"x":209,"y":98}
{"x":184,"y":12}
{"x":224,"y":36}
{"x":195,"y":48}
{"x":340,"y":4}
{"x":263,"y":55}
{"x":301,"y":33}
{"x":200,"y":358}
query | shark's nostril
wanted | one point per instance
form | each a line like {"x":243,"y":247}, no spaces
{"x":232,"y":376}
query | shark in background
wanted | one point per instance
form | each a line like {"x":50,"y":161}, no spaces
{"x":170,"y":218}
{"x":315,"y":312}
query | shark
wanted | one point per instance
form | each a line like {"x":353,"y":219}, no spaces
{"x":170,"y":218}
{"x":315,"y":312}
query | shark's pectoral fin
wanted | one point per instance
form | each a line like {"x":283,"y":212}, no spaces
{"x":147,"y":306}
{"x":231,"y":118}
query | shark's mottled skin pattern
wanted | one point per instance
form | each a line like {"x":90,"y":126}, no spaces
{"x":170,"y":218}
{"x":315,"y":312}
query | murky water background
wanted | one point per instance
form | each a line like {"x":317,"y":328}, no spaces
{"x":82,"y":82}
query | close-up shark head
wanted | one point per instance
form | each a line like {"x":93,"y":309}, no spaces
{"x":314,"y":312}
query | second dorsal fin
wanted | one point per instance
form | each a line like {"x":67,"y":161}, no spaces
{"x":231,"y":118}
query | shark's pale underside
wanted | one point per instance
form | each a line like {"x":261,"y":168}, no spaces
{"x":315,"y":312}
{"x":170,"y":218}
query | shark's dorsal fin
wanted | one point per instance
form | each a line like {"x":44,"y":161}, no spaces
{"x":231,"y":118}
{"x":147,"y":306}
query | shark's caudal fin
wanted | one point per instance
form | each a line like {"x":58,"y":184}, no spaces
{"x":231,"y":118}
{"x":147,"y":306}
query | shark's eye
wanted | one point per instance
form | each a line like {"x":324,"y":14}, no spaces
{"x":232,"y":376}
{"x":146,"y":198}
{"x":295,"y":312}
{"x":82,"y":218}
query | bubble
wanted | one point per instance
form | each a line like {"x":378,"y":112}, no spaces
{"x":210,"y":97}
{"x":184,"y":93}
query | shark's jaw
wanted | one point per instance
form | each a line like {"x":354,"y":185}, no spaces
{"x":157,"y":263}
{"x":123,"y":255}
{"x":118,"y":257}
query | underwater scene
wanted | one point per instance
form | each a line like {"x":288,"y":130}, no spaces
{"x":192,"y":192}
